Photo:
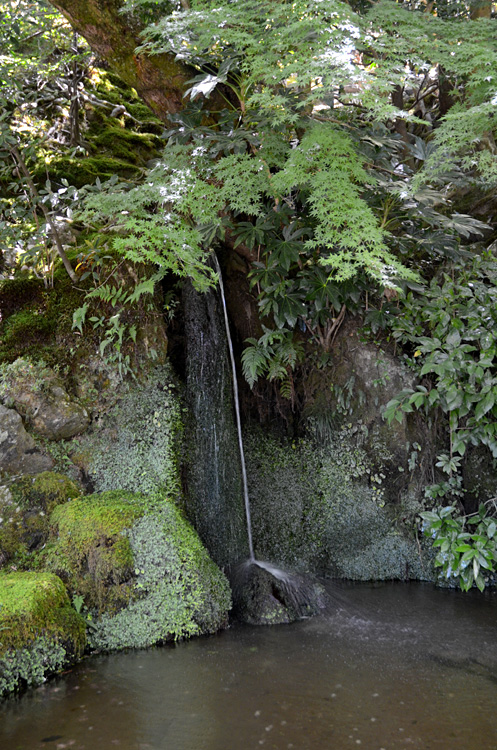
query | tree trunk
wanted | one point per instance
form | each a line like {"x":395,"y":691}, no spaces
{"x":158,"y":79}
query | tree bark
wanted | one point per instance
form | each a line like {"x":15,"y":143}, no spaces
{"x":158,"y":79}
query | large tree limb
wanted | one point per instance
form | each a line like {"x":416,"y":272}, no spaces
{"x":158,"y":79}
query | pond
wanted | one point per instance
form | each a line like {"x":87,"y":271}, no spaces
{"x":387,"y":667}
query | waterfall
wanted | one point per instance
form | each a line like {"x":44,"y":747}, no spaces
{"x":263,"y":593}
{"x":237,"y":412}
{"x":216,"y":477}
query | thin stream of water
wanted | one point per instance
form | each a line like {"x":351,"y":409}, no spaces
{"x":237,"y":410}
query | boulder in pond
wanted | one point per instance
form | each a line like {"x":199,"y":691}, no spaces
{"x":140,"y":568}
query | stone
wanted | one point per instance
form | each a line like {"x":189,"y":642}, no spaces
{"x":38,"y":394}
{"x":139,"y":567}
{"x":355,"y":391}
{"x":266,"y":595}
{"x":41,"y":632}
{"x":18,"y":452}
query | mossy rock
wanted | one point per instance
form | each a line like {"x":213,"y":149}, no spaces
{"x":92,"y":553}
{"x":26,"y":328}
{"x":18,"y":293}
{"x":321,"y":508}
{"x":140,"y":568}
{"x":36,"y":321}
{"x":39,"y":631}
{"x":25,"y":508}
{"x":45,"y":491}
{"x":132,"y":147}
{"x":136,"y":444}
{"x":84,"y":171}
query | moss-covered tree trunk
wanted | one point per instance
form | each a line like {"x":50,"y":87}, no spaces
{"x":160,"y":80}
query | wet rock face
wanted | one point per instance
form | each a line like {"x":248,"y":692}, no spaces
{"x":266,"y":595}
{"x":18,"y":453}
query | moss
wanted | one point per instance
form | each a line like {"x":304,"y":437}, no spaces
{"x":319,"y":506}
{"x":39,"y":630}
{"x":38,"y":321}
{"x":25,"y":507}
{"x":45,"y":491}
{"x":35,"y":604}
{"x":127,"y":145}
{"x":91,"y":552}
{"x":137,"y":444}
{"x":18,"y":293}
{"x":83,"y":171}
{"x":28,"y":329}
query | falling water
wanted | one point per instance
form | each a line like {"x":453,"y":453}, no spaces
{"x":262,"y":592}
{"x":237,"y":412}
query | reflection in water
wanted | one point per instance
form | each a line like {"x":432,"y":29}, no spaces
{"x":393,"y":666}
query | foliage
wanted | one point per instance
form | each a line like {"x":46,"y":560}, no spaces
{"x":466,"y":545}
{"x":274,"y":355}
{"x":331,"y":161}
{"x":303,"y":168}
{"x":28,"y":667}
{"x":449,"y":334}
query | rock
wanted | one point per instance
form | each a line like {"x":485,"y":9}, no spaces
{"x":40,"y":631}
{"x":139,"y":567}
{"x":55,"y":416}
{"x":40,"y":397}
{"x":266,"y":595}
{"x":18,"y":452}
{"x":479,"y":477}
{"x":25,"y":508}
{"x":354,"y":392}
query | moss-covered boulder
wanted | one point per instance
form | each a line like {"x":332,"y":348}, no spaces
{"x":140,"y":569}
{"x":39,"y":631}
{"x":134,"y":445}
{"x":321,"y":507}
{"x":25,"y":508}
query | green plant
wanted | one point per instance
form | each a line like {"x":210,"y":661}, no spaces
{"x":450,"y":341}
{"x":466,"y":545}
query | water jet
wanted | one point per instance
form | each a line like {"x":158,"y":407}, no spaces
{"x":262,"y":592}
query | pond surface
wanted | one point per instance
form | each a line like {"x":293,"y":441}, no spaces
{"x":389,"y":666}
